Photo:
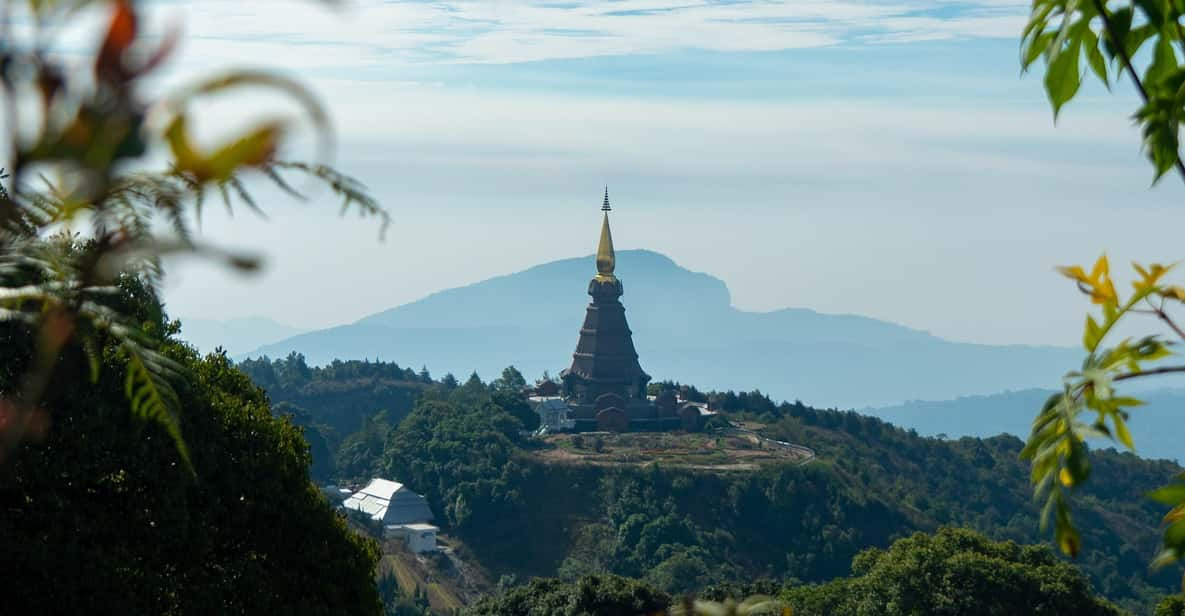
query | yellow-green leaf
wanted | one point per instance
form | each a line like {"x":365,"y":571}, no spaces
{"x":1092,"y":334}
{"x":1068,"y":541}
{"x":254,"y":148}
{"x":1175,"y":514}
{"x":1174,"y":292}
{"x":184,"y":156}
{"x":1121,"y":431}
{"x":1172,"y":494}
{"x":1073,"y":271}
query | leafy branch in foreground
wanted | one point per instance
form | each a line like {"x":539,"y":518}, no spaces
{"x":1089,"y":407}
{"x":68,"y":237}
{"x":1109,"y":36}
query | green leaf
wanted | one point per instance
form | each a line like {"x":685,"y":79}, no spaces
{"x":1038,"y":19}
{"x":1034,"y":48}
{"x":1121,"y":432}
{"x":150,"y":395}
{"x":1172,"y":494}
{"x":180,"y":98}
{"x":1078,"y":463}
{"x":1136,"y":38}
{"x":1092,"y":334}
{"x":1065,"y":534}
{"x":1160,"y":139}
{"x":1174,"y":537}
{"x":1121,"y":25}
{"x":1164,"y":559}
{"x":1164,"y":62}
{"x":1153,"y":11}
{"x":92,"y":357}
{"x":1062,"y":78}
{"x":1094,"y":57}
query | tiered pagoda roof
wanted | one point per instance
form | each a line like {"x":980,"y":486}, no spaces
{"x":605,"y":360}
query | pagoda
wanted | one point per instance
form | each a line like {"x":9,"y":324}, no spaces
{"x":605,"y":387}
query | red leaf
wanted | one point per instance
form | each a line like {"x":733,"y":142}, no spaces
{"x":120,"y":34}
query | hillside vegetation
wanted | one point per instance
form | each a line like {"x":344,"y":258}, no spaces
{"x":681,"y":529}
{"x":102,"y":515}
{"x":953,"y":572}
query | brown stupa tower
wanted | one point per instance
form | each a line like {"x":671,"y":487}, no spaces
{"x":605,"y":387}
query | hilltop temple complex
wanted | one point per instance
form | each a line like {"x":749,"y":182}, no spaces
{"x":605,"y":387}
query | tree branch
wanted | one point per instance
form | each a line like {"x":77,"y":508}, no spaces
{"x":1152,"y":372}
{"x":1121,"y":53}
{"x":1160,"y":313}
{"x":1169,"y":321}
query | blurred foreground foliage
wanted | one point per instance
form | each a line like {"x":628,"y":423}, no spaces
{"x":101,"y":516}
{"x":1140,"y":41}
{"x":198,"y":500}
{"x":86,"y":198}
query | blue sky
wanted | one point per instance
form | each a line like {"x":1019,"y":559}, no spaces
{"x":884,"y":158}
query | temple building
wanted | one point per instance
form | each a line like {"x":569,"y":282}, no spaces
{"x":605,"y":387}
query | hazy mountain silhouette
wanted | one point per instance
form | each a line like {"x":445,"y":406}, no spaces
{"x":1155,"y":427}
{"x":234,"y":335}
{"x":685,"y":329}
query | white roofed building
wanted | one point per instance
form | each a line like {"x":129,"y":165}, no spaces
{"x":420,"y":537}
{"x":389,"y":502}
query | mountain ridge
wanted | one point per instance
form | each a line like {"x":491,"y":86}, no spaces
{"x":685,"y":328}
{"x":1154,"y":426}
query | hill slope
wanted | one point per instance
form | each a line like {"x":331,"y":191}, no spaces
{"x":684,"y":526}
{"x":685,"y":329}
{"x":1155,"y":426}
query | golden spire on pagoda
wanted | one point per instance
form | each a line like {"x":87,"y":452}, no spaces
{"x":606,"y":260}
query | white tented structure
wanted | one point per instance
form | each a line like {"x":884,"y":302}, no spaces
{"x":389,"y":502}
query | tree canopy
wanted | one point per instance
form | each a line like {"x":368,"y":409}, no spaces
{"x":590,"y":596}
{"x":102,"y":515}
{"x":954,"y":572}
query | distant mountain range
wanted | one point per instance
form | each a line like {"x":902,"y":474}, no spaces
{"x":235,"y":335}
{"x":1155,"y":427}
{"x":685,"y":329}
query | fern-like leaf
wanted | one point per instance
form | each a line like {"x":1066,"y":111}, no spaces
{"x":150,"y":395}
{"x":353,"y":193}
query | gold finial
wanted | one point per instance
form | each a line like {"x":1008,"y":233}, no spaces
{"x":606,"y":259}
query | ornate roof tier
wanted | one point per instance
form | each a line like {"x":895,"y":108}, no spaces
{"x":605,"y":360}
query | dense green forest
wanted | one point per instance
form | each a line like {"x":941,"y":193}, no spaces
{"x":462,"y":445}
{"x":953,"y":572}
{"x":103,"y":514}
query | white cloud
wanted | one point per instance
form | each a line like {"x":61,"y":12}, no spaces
{"x":936,"y":215}
{"x":981,"y":194}
{"x":374,"y":33}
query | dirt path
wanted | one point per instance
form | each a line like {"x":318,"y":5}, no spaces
{"x":807,"y":453}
